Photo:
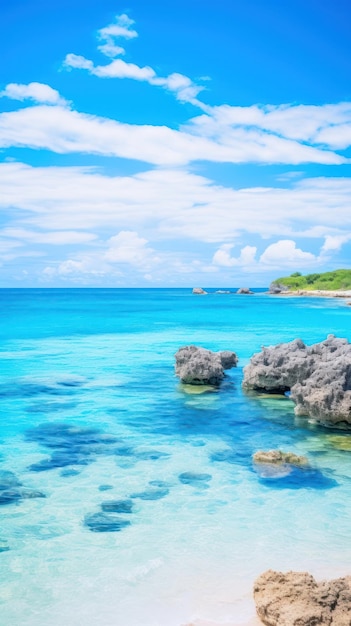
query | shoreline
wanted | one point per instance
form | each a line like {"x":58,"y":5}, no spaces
{"x":317,"y":293}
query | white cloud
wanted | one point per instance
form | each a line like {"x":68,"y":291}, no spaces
{"x":337,"y":136}
{"x":81,"y":270}
{"x":174,"y":204}
{"x":328,"y":124}
{"x":284,"y":253}
{"x":76,"y":61}
{"x":128,"y":247}
{"x":112,"y":258}
{"x":183,"y":87}
{"x":64,"y":131}
{"x":74,"y":205}
{"x":38,"y":92}
{"x":120,"y":28}
{"x":120,"y":69}
{"x":223,"y":258}
{"x":64,"y":237}
{"x":334,"y":243}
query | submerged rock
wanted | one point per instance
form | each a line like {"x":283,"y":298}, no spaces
{"x":70,"y":445}
{"x":198,"y":366}
{"x":11,"y":489}
{"x":151,"y":494}
{"x":117,"y":506}
{"x":159,"y":483}
{"x":4,"y":548}
{"x":69,"y":472}
{"x":104,"y":523}
{"x":277,"y":457}
{"x":195,"y":479}
{"x":8,"y":480}
{"x":8,"y":496}
{"x":151,"y":455}
{"x":296,"y":599}
{"x":340,"y":442}
{"x":318,"y":377}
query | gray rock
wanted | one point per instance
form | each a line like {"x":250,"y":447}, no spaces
{"x":198,"y":366}
{"x":199,"y":291}
{"x":245,"y":291}
{"x":296,"y":599}
{"x":318,"y":376}
{"x":276,"y":288}
{"x":228,"y":359}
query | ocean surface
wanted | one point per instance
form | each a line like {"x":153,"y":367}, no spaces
{"x":127,"y":499}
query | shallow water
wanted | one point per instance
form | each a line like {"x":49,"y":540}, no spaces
{"x":153,"y":514}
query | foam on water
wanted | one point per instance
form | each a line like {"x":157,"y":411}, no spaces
{"x":93,"y":414}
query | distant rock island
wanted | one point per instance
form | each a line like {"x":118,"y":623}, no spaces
{"x":337,"y":283}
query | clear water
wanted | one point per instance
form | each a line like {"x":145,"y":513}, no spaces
{"x":92,"y":413}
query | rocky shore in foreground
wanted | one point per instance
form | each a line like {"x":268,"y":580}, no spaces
{"x":318,"y":378}
{"x":296,"y":599}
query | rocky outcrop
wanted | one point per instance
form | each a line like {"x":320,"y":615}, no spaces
{"x":275,"y":288}
{"x":245,"y":291}
{"x":318,"y":377}
{"x":296,"y":599}
{"x":198,"y":366}
{"x":277,"y":457}
{"x":199,"y":291}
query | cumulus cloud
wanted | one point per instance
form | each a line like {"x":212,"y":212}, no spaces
{"x":58,"y":205}
{"x":284,"y":253}
{"x":81,"y":270}
{"x":128,"y":247}
{"x":38,"y":92}
{"x":334,"y":243}
{"x":120,"y":28}
{"x":223,"y":258}
{"x":112,"y":258}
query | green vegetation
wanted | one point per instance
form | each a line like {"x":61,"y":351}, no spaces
{"x":329,"y":281}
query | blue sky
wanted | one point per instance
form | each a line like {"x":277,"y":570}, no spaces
{"x":173,"y":144}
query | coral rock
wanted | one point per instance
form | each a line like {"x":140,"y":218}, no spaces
{"x":296,"y":599}
{"x":277,"y":457}
{"x":318,"y":376}
{"x":198,"y":366}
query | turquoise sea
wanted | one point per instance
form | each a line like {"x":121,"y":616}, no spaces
{"x":125,"y":500}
